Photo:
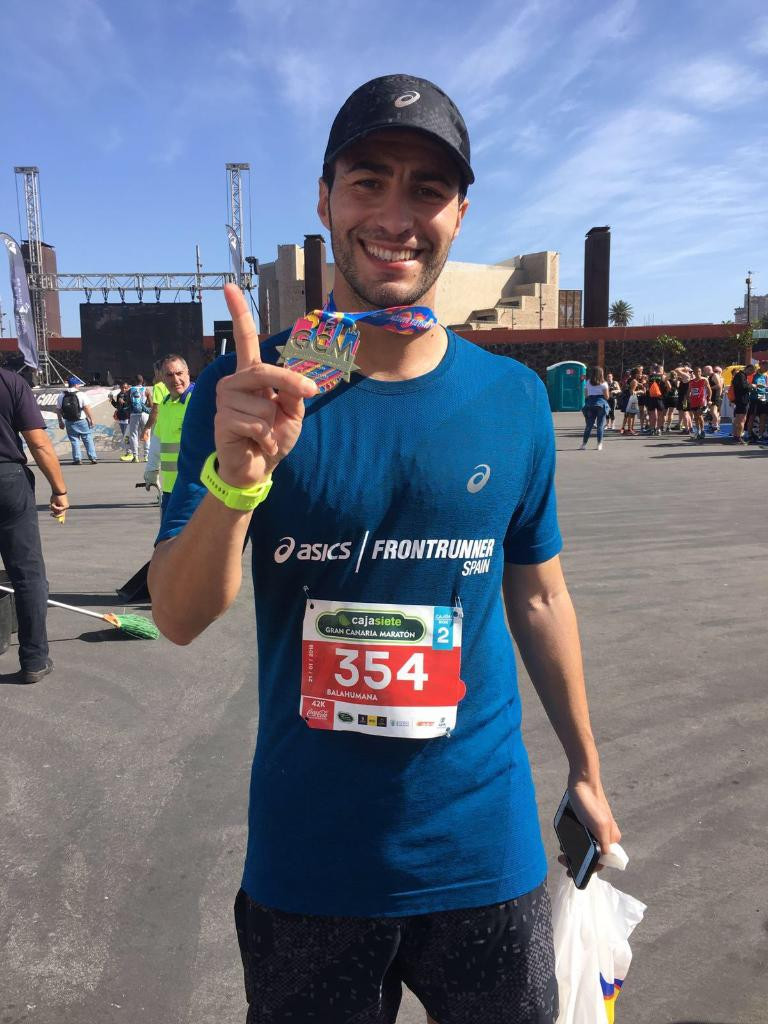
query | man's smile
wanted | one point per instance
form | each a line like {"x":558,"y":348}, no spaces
{"x":387,"y":254}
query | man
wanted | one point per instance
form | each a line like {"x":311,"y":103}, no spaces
{"x":140,"y":398}
{"x":76,"y":418}
{"x":740,"y":385}
{"x":383,"y":846}
{"x":699,"y":396}
{"x":684,"y":374}
{"x":642,"y":402}
{"x":122,"y":407}
{"x":654,"y":400}
{"x":760,"y":391}
{"x":715,"y":377}
{"x":20,"y":546}
{"x":162,"y":464}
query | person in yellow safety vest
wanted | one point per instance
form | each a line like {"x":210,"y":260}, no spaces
{"x":162,"y":465}
{"x":159,"y":394}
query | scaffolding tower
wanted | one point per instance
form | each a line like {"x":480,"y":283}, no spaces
{"x":30,"y":177}
{"x":235,"y":188}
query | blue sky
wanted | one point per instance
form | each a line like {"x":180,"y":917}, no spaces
{"x":647,"y":116}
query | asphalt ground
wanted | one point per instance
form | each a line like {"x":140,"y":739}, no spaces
{"x":124,"y":774}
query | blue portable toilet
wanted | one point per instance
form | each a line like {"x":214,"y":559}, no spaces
{"x":565,"y":386}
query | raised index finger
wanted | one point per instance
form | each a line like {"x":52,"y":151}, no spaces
{"x":243,"y":328}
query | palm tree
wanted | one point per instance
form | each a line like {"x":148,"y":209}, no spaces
{"x":620,"y":313}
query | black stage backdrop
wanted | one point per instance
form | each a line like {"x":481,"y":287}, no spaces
{"x":126,"y":338}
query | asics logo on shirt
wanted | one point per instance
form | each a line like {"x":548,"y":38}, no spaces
{"x":284,"y":550}
{"x":337,"y":552}
{"x":479,"y":478}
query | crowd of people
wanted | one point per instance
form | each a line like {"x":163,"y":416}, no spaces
{"x":688,"y":400}
{"x":136,"y":406}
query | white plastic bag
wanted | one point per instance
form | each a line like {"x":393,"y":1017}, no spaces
{"x":591,"y":931}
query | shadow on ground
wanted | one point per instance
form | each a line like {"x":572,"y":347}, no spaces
{"x":12,"y":679}
{"x":109,"y":635}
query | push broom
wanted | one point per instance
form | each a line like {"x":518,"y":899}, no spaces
{"x":133,"y":625}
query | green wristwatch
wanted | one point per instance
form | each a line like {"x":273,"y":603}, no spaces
{"x":243,"y":499}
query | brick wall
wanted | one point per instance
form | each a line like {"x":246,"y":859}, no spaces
{"x":622,"y":347}
{"x":698,"y":352}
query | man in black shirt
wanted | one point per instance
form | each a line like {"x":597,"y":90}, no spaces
{"x":20,"y":546}
{"x":740,"y":385}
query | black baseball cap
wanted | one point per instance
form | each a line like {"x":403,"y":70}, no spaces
{"x":401,"y":101}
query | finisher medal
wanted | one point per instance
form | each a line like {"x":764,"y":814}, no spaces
{"x":322,"y":345}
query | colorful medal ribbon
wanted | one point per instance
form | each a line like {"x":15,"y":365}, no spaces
{"x":322,"y":344}
{"x":398,"y":319}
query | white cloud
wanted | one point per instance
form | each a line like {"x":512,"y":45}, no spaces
{"x":714,"y":84}
{"x":758,"y":38}
{"x":169,"y":152}
{"x":498,"y":52}
{"x":75,"y":53}
{"x":640,"y":173}
{"x":579,"y":49}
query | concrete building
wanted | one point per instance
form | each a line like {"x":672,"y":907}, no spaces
{"x":520,"y":293}
{"x":758,"y":308}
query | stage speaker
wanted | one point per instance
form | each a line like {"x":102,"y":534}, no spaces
{"x":125,"y":338}
{"x":223,"y":338}
{"x":597,"y":273}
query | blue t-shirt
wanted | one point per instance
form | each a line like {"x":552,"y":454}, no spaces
{"x":350,"y":824}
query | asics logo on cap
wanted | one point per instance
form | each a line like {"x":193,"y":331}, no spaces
{"x":407,"y":98}
{"x":479,"y":478}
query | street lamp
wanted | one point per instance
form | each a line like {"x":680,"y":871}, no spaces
{"x":749,"y":297}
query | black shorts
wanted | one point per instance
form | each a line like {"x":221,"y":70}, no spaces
{"x":483,"y":964}
{"x":761,"y":409}
{"x":670,"y":401}
{"x":654,"y":404}
{"x":740,"y":406}
{"x":642,"y":400}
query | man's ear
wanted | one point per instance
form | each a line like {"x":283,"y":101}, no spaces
{"x":323,"y":203}
{"x":463,"y":207}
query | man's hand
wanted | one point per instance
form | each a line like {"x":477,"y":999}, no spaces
{"x":59,"y":504}
{"x":145,"y":437}
{"x":151,"y":478}
{"x":591,"y":806}
{"x":259,"y":408}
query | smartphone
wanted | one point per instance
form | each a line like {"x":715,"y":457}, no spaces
{"x":579,"y":846}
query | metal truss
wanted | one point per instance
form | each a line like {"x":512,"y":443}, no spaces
{"x":133,"y":282}
{"x":31,"y":184}
{"x":235,"y":187}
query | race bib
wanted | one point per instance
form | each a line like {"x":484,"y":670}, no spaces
{"x":383,"y":669}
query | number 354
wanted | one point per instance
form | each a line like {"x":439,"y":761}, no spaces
{"x":376,"y":672}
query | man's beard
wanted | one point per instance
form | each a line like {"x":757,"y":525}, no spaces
{"x":383,"y":294}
